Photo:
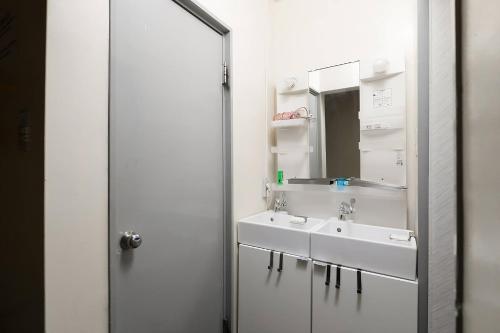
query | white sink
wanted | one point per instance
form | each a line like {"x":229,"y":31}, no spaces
{"x":277,"y":231}
{"x":381,"y":250}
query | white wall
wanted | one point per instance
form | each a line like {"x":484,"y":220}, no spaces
{"x":371,"y":205}
{"x":76,"y":147}
{"x":76,"y":230}
{"x":313,"y":34}
{"x":481,"y":120}
{"x":249,"y":21}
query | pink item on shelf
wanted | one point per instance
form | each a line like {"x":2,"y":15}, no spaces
{"x":286,"y":116}
{"x":290,"y":115}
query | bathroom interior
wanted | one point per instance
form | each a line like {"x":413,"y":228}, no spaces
{"x":298,"y":166}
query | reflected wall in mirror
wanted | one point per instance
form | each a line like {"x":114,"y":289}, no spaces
{"x":341,"y":120}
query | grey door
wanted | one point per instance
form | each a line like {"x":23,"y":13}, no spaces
{"x":166,"y":169}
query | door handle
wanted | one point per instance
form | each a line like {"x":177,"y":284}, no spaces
{"x":271,"y":259}
{"x":280,"y":266}
{"x":328,"y":269}
{"x":130,"y":240}
{"x":337,"y":282}
{"x":360,"y":287}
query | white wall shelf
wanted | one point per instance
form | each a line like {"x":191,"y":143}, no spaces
{"x":300,"y":122}
{"x":377,"y":127}
{"x":379,"y":77}
{"x":294,"y":92}
{"x":353,"y":190}
{"x":291,"y":150}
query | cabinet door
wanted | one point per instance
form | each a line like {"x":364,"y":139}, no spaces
{"x":385,"y":304}
{"x":270,"y":301}
{"x":333,"y":309}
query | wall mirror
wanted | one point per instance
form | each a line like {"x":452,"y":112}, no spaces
{"x":334,"y":129}
{"x":357,"y":121}
{"x":354,"y":124}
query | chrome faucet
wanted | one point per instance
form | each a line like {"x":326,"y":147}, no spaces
{"x":346,"y":210}
{"x":280,"y":203}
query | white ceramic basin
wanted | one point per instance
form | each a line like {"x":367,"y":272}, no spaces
{"x":276,"y":231}
{"x":377,"y":249}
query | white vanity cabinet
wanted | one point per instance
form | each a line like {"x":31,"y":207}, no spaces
{"x":384,"y":305}
{"x":272,"y":301}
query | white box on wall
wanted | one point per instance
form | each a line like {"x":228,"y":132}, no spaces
{"x":335,"y":78}
{"x":292,"y":149}
{"x":384,"y":166}
{"x":383,"y":119}
{"x":292,"y":142}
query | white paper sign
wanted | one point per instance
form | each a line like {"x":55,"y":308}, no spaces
{"x":382,"y":98}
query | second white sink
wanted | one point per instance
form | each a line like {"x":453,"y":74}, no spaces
{"x":278,"y":231}
{"x":381,"y":250}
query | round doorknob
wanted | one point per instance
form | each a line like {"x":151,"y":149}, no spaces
{"x":130,"y":240}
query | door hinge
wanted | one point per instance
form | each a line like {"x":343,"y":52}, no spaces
{"x":225,"y":74}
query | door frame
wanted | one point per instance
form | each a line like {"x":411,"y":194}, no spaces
{"x":439,"y":212}
{"x":443,"y":168}
{"x":224,"y":30}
